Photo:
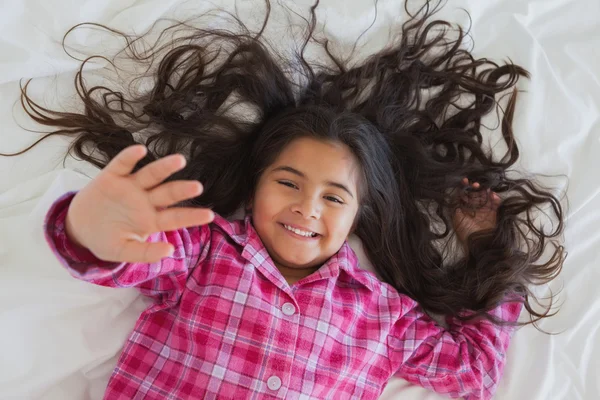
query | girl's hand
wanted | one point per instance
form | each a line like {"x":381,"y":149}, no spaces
{"x":116,"y":212}
{"x":478,"y":212}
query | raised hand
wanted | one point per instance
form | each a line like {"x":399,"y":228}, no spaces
{"x":116,"y":212}
{"x":478,"y":210}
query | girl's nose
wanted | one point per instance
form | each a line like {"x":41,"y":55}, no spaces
{"x":307,"y":207}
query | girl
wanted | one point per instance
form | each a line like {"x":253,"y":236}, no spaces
{"x":274,"y":305}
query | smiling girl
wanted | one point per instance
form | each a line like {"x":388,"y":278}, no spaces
{"x":275,"y":305}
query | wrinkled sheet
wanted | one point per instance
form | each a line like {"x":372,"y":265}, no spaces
{"x":59,"y":338}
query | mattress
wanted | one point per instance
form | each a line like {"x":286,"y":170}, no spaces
{"x":60,"y":338}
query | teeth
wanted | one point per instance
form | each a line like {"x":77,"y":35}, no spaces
{"x":299,"y":232}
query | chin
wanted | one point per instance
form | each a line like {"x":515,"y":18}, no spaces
{"x":297,"y":263}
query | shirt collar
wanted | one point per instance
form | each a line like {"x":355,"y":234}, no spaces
{"x":347,"y":261}
{"x":244,"y":234}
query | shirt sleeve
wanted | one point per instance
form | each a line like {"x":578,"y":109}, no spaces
{"x":465,"y":360}
{"x":163,"y":281}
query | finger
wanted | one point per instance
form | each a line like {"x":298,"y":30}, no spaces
{"x":479,"y":197}
{"x":156,"y":172}
{"x":491,"y":200}
{"x":125,"y":161}
{"x":472,"y":197}
{"x":482,"y":199}
{"x":173,"y":192}
{"x":496,"y":200}
{"x":143,"y":252}
{"x":465,"y":181}
{"x":458,"y":213}
{"x":182,"y":217}
{"x":476,"y":185}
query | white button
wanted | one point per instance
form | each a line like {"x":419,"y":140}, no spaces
{"x":288,"y":309}
{"x":274,"y":383}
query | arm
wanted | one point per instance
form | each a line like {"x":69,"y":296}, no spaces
{"x":131,"y":221}
{"x":162,"y":280}
{"x":465,"y":360}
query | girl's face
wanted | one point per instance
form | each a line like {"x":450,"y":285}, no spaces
{"x":305,"y":204}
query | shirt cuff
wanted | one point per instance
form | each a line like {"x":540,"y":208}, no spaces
{"x":509,"y":312}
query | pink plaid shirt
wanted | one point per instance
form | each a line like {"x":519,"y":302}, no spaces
{"x":230,"y":326}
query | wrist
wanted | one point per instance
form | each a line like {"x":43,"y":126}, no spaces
{"x":70,"y":231}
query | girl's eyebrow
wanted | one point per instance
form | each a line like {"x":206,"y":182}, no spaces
{"x":300,"y":174}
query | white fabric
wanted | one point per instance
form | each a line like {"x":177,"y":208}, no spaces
{"x":60,"y":338}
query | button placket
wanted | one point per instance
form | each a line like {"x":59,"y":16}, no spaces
{"x":274,"y":382}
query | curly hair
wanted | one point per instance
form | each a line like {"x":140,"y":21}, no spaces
{"x":411,"y":113}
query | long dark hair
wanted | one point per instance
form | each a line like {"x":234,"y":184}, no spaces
{"x":412,"y":115}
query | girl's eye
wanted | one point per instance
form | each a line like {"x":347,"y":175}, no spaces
{"x":288,"y":184}
{"x":334,"y":199}
{"x":291,"y":185}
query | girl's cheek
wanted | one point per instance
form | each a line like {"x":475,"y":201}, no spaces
{"x":270,"y":202}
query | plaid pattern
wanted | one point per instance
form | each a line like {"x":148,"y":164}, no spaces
{"x":225,"y":324}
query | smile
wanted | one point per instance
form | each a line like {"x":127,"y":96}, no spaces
{"x":299,"y":232}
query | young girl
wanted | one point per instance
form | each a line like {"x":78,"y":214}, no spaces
{"x":275,"y":305}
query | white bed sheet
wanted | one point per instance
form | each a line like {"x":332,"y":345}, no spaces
{"x":59,"y":338}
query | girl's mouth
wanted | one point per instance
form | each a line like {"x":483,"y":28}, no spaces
{"x":298,"y":233}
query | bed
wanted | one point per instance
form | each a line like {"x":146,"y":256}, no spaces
{"x":60,"y":338}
